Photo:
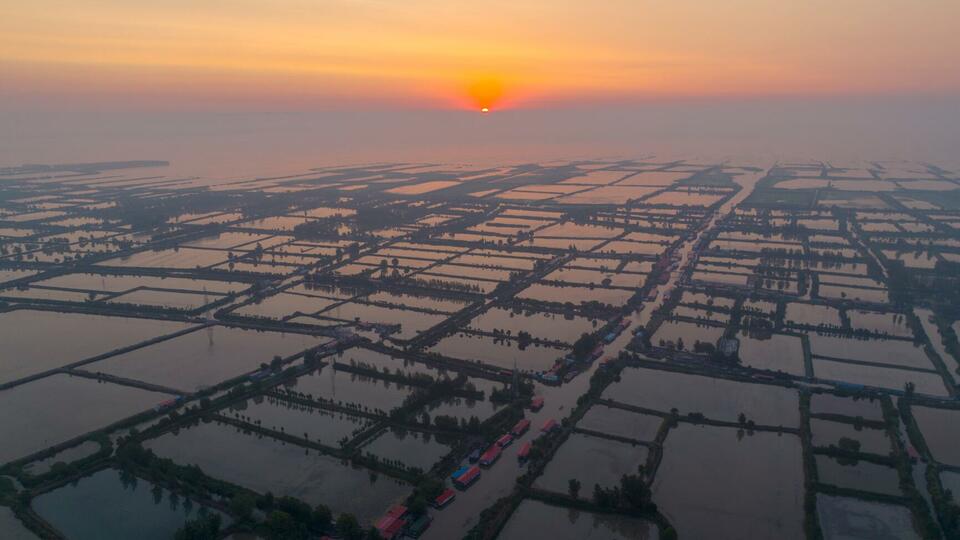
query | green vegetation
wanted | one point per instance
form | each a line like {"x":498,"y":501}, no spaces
{"x":205,"y":527}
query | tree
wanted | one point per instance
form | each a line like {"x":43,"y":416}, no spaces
{"x":417,"y":506}
{"x":430,"y":488}
{"x":584,"y":345}
{"x":348,"y":527}
{"x":634,"y":490}
{"x":849,"y":445}
{"x":241,"y":505}
{"x":298,"y":510}
{"x":321,"y":518}
{"x":205,"y":527}
{"x":281,"y":526}
{"x":573,"y":486}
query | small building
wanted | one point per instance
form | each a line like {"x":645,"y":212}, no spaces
{"x":465,"y":480}
{"x":729,"y":347}
{"x":168,"y":404}
{"x":549,"y":377}
{"x":505,"y":440}
{"x":418,"y":526}
{"x":524,"y":454}
{"x":520,"y":427}
{"x":536,"y":403}
{"x":549,"y":426}
{"x":444,"y":498}
{"x":391,"y":525}
{"x":459,"y":472}
{"x":490,"y":456}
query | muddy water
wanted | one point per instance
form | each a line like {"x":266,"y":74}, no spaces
{"x":700,"y":464}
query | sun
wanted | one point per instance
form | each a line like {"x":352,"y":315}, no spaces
{"x":484,"y":92}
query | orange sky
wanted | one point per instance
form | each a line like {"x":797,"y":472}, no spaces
{"x":316,"y":54}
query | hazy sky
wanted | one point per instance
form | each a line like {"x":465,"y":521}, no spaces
{"x":350,"y":54}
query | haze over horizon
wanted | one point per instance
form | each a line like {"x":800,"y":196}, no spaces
{"x":431,"y":54}
{"x":246,"y":84}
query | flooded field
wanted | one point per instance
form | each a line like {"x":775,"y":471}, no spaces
{"x":66,"y":407}
{"x":843,"y":518}
{"x":27,"y":350}
{"x":283,"y":305}
{"x":826,"y":433}
{"x":542,"y":325}
{"x":780,"y":352}
{"x":412,"y":448}
{"x":567,"y":293}
{"x":715,"y":398}
{"x":847,"y":406}
{"x":463,"y":408}
{"x":608,"y":459}
{"x":265,"y":464}
{"x":569,"y":524}
{"x":641,"y":427}
{"x":884,"y":351}
{"x":341,"y":330}
{"x":342,"y":386}
{"x":700,"y":463}
{"x":66,"y":456}
{"x":314,"y":424}
{"x":862,"y":475}
{"x":114,"y":504}
{"x":501,"y":353}
{"x":204,"y":357}
{"x":11,"y":528}
{"x":937,"y":427}
{"x":894,"y":379}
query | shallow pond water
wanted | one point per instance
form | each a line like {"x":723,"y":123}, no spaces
{"x":939,"y":431}
{"x":265,"y":464}
{"x":28,"y":349}
{"x":846,"y":518}
{"x":12,"y":528}
{"x":591,"y":460}
{"x":412,"y":448}
{"x":80,"y":451}
{"x":557,"y":523}
{"x":205,"y":357}
{"x":826,"y":433}
{"x":847,"y":406}
{"x":717,"y":399}
{"x":317,"y":425}
{"x":66,"y":407}
{"x":346,"y":387}
{"x":701,"y":463}
{"x":500,"y":353}
{"x":110,"y":505}
{"x":642,"y":427}
{"x":863,"y":475}
{"x":883,"y":351}
{"x":541,"y":325}
{"x":894,"y":379}
{"x":779,"y":353}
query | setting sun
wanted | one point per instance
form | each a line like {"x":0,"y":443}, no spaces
{"x":485,"y":92}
